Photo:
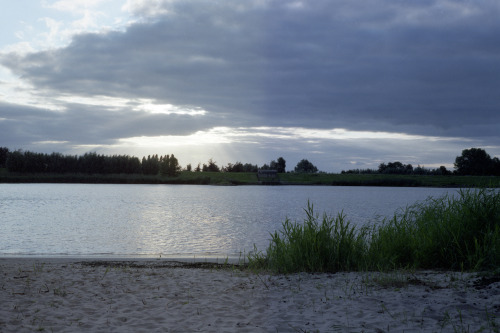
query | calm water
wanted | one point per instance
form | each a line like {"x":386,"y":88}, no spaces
{"x":187,"y":220}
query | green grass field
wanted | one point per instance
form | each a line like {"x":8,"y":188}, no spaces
{"x":250,"y":178}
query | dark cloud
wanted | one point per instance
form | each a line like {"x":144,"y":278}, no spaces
{"x":427,"y":67}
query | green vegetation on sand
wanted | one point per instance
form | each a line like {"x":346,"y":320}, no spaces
{"x":452,"y":232}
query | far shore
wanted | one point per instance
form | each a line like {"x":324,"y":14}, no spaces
{"x":249,"y":178}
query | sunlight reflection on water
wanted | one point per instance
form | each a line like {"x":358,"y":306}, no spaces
{"x":133,"y":220}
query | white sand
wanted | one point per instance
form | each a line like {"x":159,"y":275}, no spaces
{"x":154,"y":296}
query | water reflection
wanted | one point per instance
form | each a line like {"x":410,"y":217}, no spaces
{"x":49,"y":219}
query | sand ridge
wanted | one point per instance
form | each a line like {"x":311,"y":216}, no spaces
{"x":163,"y":296}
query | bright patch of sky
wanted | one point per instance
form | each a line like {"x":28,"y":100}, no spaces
{"x":38,"y":25}
{"x":45,"y":25}
{"x":51,"y":25}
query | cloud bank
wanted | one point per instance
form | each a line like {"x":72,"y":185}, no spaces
{"x":426,"y":71}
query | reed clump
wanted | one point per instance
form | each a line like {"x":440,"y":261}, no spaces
{"x":451,"y":232}
{"x":327,"y":244}
{"x":460,"y":232}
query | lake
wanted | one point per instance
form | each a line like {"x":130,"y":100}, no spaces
{"x":92,"y":220}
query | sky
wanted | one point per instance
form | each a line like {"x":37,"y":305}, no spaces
{"x":345,"y":84}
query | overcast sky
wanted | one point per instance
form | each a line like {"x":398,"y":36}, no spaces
{"x":343,"y":83}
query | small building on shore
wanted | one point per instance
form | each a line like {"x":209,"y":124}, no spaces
{"x":268,"y":176}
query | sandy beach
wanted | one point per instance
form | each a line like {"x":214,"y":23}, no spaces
{"x":74,"y":295}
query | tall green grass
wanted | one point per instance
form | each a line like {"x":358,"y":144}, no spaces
{"x":460,"y":232}
{"x":330,"y":245}
{"x":451,"y":232}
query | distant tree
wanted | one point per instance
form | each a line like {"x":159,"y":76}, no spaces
{"x":15,"y":161}
{"x":382,"y":167}
{"x":189,"y":167}
{"x":304,"y":166}
{"x":495,"y":166}
{"x":122,"y":164}
{"x":442,"y":171}
{"x":198,"y":168}
{"x":395,"y":168}
{"x":265,"y":167}
{"x":174,"y":167}
{"x":169,"y":166}
{"x":419,"y":170}
{"x":150,"y":165}
{"x":474,"y":161}
{"x":211,"y":167}
{"x":20,"y":161}
{"x":4,"y":152}
{"x":281,"y":167}
{"x":132,"y":165}
{"x":91,"y":163}
{"x":247,"y":167}
{"x":164,"y":164}
{"x":237,"y":167}
{"x":56,"y":163}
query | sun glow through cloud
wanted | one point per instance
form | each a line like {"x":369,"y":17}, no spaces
{"x":228,"y":135}
{"x":149,"y":106}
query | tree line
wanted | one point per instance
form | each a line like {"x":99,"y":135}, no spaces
{"x":93,"y":163}
{"x":89,"y":163}
{"x":473,"y":161}
{"x":398,"y":168}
